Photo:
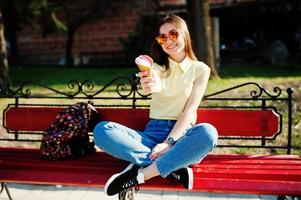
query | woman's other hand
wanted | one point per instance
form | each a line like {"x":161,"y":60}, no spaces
{"x":159,"y":150}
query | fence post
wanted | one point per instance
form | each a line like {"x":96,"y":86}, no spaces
{"x":263,"y":107}
{"x":289,"y":128}
{"x":134,"y":86}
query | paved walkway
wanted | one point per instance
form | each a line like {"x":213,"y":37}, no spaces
{"x":38,"y":192}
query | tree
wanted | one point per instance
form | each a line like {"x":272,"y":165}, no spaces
{"x":139,"y":41}
{"x":4,"y":81}
{"x":201,"y":32}
{"x":76,"y":13}
{"x":13,"y":15}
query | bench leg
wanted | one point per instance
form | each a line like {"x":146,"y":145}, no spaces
{"x":282,"y":197}
{"x":127,"y":194}
{"x":4,"y":187}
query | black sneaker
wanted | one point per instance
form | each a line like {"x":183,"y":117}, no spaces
{"x":184,"y":176}
{"x":124,"y":180}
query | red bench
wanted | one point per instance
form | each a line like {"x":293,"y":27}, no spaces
{"x":247,"y":126}
{"x":253,"y":174}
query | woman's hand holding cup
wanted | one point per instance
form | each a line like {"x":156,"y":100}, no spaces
{"x":150,"y":81}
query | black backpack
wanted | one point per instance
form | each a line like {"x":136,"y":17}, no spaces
{"x":67,"y":137}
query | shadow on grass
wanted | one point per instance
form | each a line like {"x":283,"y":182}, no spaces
{"x":61,"y":76}
{"x":259,"y":71}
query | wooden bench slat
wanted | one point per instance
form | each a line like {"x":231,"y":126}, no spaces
{"x":248,"y":186}
{"x":241,"y":122}
{"x":114,"y":163}
{"x":253,"y":169}
{"x":257,"y":162}
{"x":250,"y":174}
{"x":287,"y":166}
{"x":212,"y":160}
{"x":251,"y":122}
{"x":205,"y":164}
{"x":238,"y":157}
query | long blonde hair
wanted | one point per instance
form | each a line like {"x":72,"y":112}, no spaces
{"x":157,"y":52}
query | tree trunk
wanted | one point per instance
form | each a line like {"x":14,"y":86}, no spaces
{"x":201,"y":32}
{"x":69,"y":45}
{"x":4,"y":80}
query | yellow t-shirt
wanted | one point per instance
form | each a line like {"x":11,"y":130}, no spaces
{"x":176,"y":88}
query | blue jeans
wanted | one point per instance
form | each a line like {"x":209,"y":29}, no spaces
{"x":135,"y":146}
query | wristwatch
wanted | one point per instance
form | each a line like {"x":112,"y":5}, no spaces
{"x":170,"y":141}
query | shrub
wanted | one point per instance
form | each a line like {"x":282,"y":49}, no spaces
{"x":140,"y":40}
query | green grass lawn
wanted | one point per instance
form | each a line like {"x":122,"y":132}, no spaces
{"x":267,"y":76}
{"x":231,"y":75}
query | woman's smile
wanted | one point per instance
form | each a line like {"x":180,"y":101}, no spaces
{"x":170,"y":47}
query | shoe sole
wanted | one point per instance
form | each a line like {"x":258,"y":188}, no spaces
{"x":109,"y":181}
{"x":190,"y":178}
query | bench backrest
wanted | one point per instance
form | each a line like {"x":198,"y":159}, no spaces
{"x":229,"y":122}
